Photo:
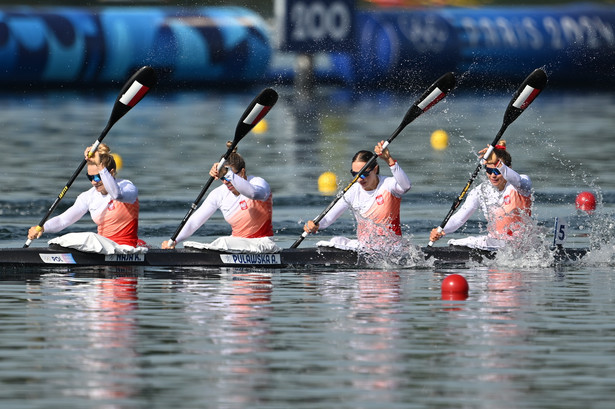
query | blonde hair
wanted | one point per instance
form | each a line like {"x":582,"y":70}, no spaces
{"x":106,"y":159}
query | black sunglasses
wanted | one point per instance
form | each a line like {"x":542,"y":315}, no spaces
{"x":363,"y":176}
{"x":494,"y":171}
{"x":94,"y":178}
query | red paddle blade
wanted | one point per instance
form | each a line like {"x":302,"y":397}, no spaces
{"x":255,"y":112}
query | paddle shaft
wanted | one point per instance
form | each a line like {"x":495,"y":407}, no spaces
{"x":70,"y":182}
{"x":339,"y":195}
{"x":195,"y":204}
{"x":531,"y":87}
{"x":430,"y":97}
{"x":254,"y":113}
{"x":474,"y":174}
{"x":131,"y":93}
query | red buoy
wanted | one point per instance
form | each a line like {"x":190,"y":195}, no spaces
{"x":455,"y":283}
{"x":586,"y":201}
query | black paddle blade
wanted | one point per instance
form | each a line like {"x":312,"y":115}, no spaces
{"x":431,"y":97}
{"x":523,"y":97}
{"x":132,"y":92}
{"x":258,"y":108}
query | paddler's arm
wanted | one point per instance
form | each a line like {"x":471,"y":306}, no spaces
{"x":60,"y":222}
{"x":469,"y":206}
{"x":402,"y":180}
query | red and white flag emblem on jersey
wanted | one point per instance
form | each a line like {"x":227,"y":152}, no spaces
{"x":134,"y":94}
{"x":243,"y":205}
{"x":432,"y":99}
{"x":258,"y":112}
{"x":526,"y":97}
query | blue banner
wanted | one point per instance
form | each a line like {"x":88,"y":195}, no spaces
{"x":87,"y":45}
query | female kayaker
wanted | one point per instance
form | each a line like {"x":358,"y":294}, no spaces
{"x":375,"y":200}
{"x":113,"y":203}
{"x":506,"y":201}
{"x":245,"y":201}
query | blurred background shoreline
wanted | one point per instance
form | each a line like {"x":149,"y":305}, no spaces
{"x":228,"y":45}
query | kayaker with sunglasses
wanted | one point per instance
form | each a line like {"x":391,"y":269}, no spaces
{"x":112,"y":203}
{"x":245,"y":202}
{"x":374,"y":199}
{"x":506,"y":201}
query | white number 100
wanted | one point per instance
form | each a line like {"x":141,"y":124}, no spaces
{"x":317,"y":21}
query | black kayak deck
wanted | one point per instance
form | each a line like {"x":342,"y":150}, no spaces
{"x":296,"y":258}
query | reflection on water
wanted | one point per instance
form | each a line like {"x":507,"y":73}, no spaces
{"x":375,"y":347}
{"x":91,"y":330}
{"x":347,"y":339}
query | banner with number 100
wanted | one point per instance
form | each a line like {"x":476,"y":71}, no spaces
{"x":311,"y":26}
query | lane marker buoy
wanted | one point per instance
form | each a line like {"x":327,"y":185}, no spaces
{"x":439,"y":139}
{"x":327,"y":183}
{"x":586,"y":201}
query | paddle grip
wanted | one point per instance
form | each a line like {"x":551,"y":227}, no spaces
{"x":95,"y":147}
{"x":488,"y":153}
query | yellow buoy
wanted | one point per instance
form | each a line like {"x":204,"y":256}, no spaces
{"x":439,"y":139}
{"x":260,"y":127}
{"x":118,"y":161}
{"x":327,"y":183}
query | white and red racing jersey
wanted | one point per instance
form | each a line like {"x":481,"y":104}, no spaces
{"x":506,"y":211}
{"x":376,"y":210}
{"x":116,"y":213}
{"x":249,"y":214}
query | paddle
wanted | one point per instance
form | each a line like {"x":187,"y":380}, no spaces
{"x":258,"y":108}
{"x":522,"y":98}
{"x":132,"y":92}
{"x":431,"y":97}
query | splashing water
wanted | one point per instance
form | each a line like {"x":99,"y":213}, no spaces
{"x":601,"y":238}
{"x":385,"y":249}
